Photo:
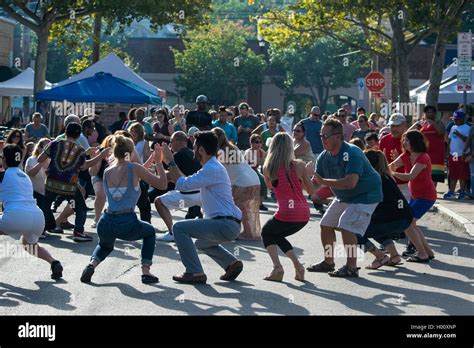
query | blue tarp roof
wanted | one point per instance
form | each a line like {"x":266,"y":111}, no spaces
{"x":100,"y":88}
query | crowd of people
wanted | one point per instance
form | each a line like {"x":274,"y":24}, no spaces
{"x":366,"y":178}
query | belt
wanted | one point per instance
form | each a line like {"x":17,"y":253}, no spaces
{"x":189,"y":192}
{"x":120,"y":212}
{"x":227,"y":218}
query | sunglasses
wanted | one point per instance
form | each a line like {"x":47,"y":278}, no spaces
{"x":327,"y":136}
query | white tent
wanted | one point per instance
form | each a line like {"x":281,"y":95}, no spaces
{"x":21,"y":85}
{"x":448,"y":74}
{"x":448,"y":93}
{"x":112,"y":64}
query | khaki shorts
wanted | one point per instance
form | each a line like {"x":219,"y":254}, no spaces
{"x":177,"y":200}
{"x":350,"y":217}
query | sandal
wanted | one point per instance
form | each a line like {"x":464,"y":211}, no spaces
{"x":393,"y":263}
{"x":418,"y":260}
{"x":323,"y":266}
{"x":376,"y":264}
{"x":345,"y":272}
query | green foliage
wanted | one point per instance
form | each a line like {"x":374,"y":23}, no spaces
{"x":216,"y":62}
{"x":320,"y":66}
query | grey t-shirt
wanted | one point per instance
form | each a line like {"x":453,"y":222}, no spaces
{"x":37,"y":133}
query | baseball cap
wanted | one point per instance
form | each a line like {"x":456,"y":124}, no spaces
{"x":459,"y":115}
{"x":192,"y":131}
{"x":396,"y":119}
{"x":316,"y":110}
{"x":201,"y":99}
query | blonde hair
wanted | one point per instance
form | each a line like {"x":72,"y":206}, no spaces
{"x":280,"y":154}
{"x":122,"y":146}
{"x":107,"y":142}
{"x":38,"y":148}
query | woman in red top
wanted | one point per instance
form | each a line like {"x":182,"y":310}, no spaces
{"x":283,"y":175}
{"x":417,"y":165}
{"x":433,"y":131}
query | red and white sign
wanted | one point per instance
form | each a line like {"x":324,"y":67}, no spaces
{"x":375,"y":81}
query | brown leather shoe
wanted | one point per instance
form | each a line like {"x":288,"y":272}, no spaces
{"x":189,"y":278}
{"x":233,"y":270}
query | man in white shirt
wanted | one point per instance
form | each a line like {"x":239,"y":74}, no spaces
{"x":458,"y":168}
{"x":222,"y":218}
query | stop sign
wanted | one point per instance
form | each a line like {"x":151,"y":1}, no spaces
{"x":375,"y":81}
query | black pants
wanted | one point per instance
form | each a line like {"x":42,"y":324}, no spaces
{"x":143,"y":203}
{"x":79,"y":207}
{"x":275,"y":232}
{"x":39,"y":199}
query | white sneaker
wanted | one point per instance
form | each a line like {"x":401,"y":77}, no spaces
{"x":94,"y":224}
{"x":167,"y":237}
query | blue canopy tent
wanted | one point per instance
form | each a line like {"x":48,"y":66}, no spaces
{"x":100,"y":88}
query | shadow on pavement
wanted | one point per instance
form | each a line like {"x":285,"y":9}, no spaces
{"x":47,"y":294}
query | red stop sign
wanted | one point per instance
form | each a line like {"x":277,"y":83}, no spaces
{"x":375,"y":81}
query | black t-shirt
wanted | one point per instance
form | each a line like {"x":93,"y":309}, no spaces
{"x":185,"y":161}
{"x":394,"y":205}
{"x":199,"y":119}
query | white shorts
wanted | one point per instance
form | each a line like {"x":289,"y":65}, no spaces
{"x":17,"y":223}
{"x":350,"y":217}
{"x":176,"y":200}
{"x":405,"y":191}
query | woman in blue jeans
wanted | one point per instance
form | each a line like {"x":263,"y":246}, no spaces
{"x":122,"y":189}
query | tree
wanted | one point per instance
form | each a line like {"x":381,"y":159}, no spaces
{"x":216,"y":62}
{"x":451,"y":17}
{"x":318,"y":67}
{"x":41,"y":15}
{"x":392,"y":28}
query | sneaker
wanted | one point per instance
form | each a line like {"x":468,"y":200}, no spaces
{"x":81,"y":237}
{"x":87,"y":274}
{"x":56,"y":270}
{"x":94,"y":224}
{"x":263,"y":208}
{"x":461,"y":195}
{"x":410,"y":250}
{"x":167,"y":237}
{"x":44,"y":235}
{"x":58,"y":230}
{"x":66,"y":225}
{"x":448,"y":195}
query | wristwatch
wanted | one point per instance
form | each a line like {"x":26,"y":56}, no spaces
{"x":172,"y":164}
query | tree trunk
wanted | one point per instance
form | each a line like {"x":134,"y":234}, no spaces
{"x":437,"y":66}
{"x":394,"y":67}
{"x":96,"y":38}
{"x":41,"y":58}
{"x":403,"y":78}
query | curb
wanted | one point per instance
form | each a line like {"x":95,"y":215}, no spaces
{"x":456,"y":219}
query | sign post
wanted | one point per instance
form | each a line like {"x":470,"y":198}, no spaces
{"x":360,"y":87}
{"x":375,"y":83}
{"x":464,"y":65}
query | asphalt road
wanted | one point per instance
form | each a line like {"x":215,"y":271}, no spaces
{"x":442,"y":287}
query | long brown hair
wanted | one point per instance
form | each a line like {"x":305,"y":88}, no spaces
{"x":378,"y":161}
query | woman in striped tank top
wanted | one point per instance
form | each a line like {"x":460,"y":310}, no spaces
{"x":285,"y":176}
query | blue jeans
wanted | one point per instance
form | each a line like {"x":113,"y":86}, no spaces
{"x":209,"y":235}
{"x":125,"y":227}
{"x":80,"y":209}
{"x":471,"y":167}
